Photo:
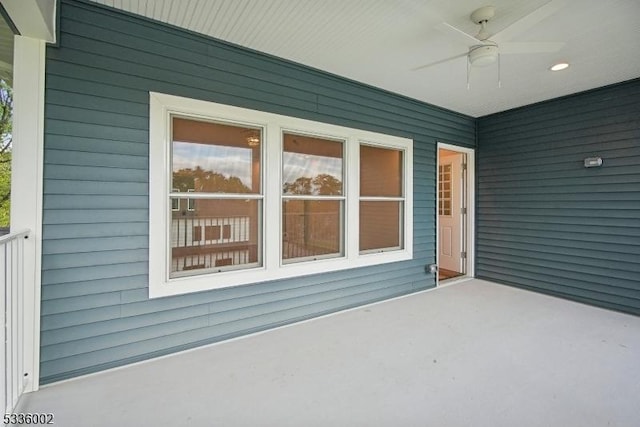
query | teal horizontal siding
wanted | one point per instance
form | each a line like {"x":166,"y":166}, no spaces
{"x":96,"y":286}
{"x":55,"y":232}
{"x":60,"y":276}
{"x":82,"y":158}
{"x":257,"y":69}
{"x":156,"y":346}
{"x":546,"y":223}
{"x":62,"y":246}
{"x":93,"y":187}
{"x":88,"y":216}
{"x":96,"y":173}
{"x":106,"y":132}
{"x":96,"y":312}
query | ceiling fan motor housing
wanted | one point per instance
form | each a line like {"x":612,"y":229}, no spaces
{"x":483,"y":55}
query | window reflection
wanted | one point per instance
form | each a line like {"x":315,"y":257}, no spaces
{"x":311,"y":228}
{"x":215,"y":233}
{"x":313,"y":202}
{"x":311,"y":166}
{"x":215,"y":158}
{"x":380,"y":225}
{"x":380,"y":172}
{"x":209,"y":231}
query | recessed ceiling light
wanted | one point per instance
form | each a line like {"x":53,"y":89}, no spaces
{"x":559,"y":66}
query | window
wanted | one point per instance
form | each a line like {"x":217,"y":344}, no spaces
{"x":312,"y":198}
{"x":213,"y":162}
{"x":381,"y":199}
{"x":239,"y":196}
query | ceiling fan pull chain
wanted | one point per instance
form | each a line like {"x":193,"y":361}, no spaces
{"x":468,"y":72}
{"x":499,"y":79}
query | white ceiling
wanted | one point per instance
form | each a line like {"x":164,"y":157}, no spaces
{"x":379,"y":42}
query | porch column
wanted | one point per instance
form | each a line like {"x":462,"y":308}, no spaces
{"x":26,"y":186}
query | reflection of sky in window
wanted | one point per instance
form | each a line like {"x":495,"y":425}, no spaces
{"x":298,"y":165}
{"x":229,"y":161}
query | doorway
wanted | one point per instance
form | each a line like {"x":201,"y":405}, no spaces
{"x":454,"y":212}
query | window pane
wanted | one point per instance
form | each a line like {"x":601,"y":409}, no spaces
{"x":217,"y":233}
{"x":380,"y":225}
{"x":311,"y":228}
{"x":175,"y":203}
{"x":444,"y":190}
{"x":311,"y":166}
{"x":215,"y":158}
{"x":380,"y":172}
{"x":447,"y":207}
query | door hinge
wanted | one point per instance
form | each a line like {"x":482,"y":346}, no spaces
{"x":464,"y":166}
{"x":463,"y":255}
{"x":463,"y":211}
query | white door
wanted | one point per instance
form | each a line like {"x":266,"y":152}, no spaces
{"x":450,"y":213}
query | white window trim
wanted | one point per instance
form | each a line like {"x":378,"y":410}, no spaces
{"x":162,"y":106}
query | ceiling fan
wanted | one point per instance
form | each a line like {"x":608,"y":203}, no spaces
{"x":485,"y":48}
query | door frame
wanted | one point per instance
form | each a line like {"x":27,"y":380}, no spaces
{"x":470,"y":221}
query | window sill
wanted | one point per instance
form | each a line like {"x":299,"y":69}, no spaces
{"x":162,"y":287}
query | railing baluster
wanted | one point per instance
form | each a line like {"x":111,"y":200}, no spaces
{"x":4,"y":362}
{"x":13,"y":333}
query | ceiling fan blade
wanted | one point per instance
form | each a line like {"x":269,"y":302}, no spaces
{"x":457,"y":34}
{"x":530,"y":47}
{"x":442,"y":61}
{"x":528,"y":22}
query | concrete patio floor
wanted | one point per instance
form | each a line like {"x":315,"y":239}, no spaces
{"x":469,"y":354}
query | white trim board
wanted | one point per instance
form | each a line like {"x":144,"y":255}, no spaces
{"x":470,"y":202}
{"x":26,"y":186}
{"x":33,"y":18}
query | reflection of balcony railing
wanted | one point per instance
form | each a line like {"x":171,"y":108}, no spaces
{"x":196,"y":231}
{"x":13,"y":334}
{"x":310,"y":235}
{"x":209,"y":242}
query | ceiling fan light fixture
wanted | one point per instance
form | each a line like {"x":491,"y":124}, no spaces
{"x":559,"y":66}
{"x":483,"y":55}
{"x":253,"y":141}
